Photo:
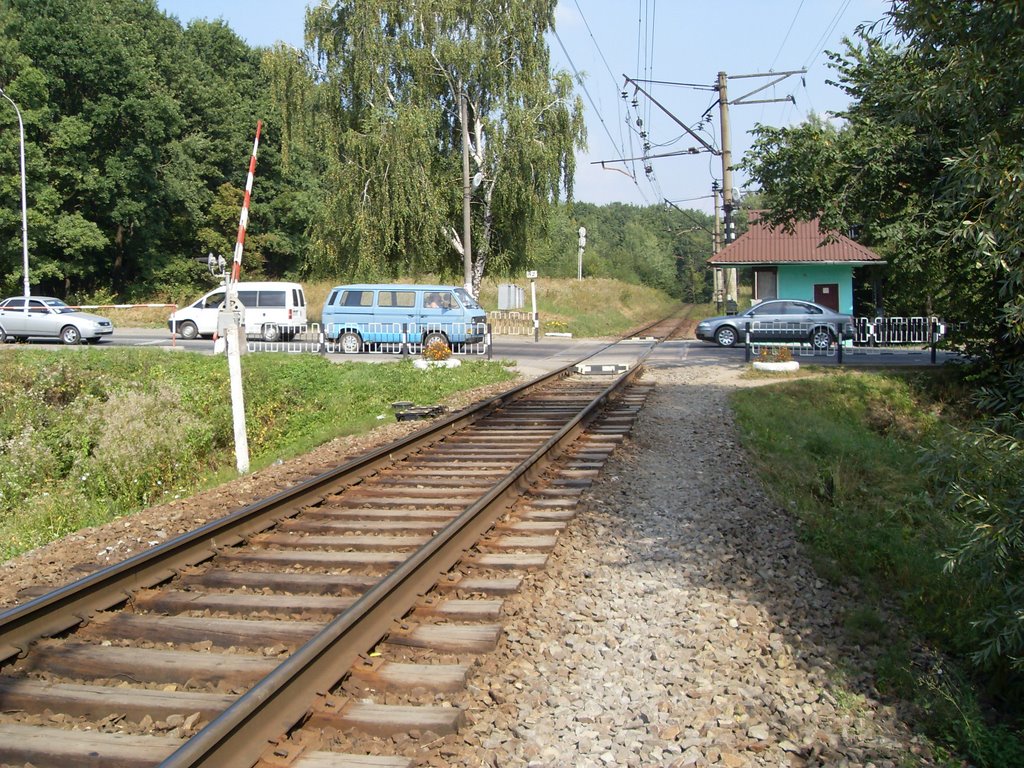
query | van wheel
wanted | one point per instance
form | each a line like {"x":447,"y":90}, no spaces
{"x":188,"y":330}
{"x":430,"y":338}
{"x":271,"y":332}
{"x":350,"y":343}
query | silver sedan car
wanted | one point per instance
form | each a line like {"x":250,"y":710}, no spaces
{"x":779,"y":320}
{"x":50,"y":318}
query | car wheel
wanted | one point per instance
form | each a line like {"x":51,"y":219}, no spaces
{"x":726,"y":336}
{"x":271,"y":332}
{"x":3,"y":336}
{"x":350,"y":343}
{"x":821,"y":339}
{"x":188,"y":330}
{"x":70,"y":335}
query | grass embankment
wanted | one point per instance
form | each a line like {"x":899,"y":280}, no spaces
{"x":88,"y":436}
{"x":849,"y":469}
{"x":585,"y":308}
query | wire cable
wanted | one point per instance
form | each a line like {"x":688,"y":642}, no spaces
{"x":819,"y":46}
{"x":786,"y":38}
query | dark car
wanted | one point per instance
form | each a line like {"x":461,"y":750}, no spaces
{"x":51,"y":318}
{"x":779,"y":320}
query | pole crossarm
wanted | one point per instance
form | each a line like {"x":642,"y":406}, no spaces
{"x":779,"y":77}
{"x":691,"y":151}
{"x":675,"y":119}
{"x":689,"y":216}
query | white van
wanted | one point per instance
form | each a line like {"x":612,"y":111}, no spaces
{"x":273,"y":311}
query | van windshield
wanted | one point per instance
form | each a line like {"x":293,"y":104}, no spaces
{"x":467,"y":299}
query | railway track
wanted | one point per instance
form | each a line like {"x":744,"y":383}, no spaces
{"x":350,"y":602}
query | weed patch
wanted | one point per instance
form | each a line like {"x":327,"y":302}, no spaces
{"x":89,"y":437}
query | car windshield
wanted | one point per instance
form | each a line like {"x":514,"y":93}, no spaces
{"x":466,"y":298}
{"x":58,"y":306}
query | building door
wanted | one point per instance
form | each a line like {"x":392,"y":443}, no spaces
{"x":827,"y":294}
{"x":766,"y":284}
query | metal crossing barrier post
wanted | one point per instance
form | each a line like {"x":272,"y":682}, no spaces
{"x":746,"y":342}
{"x":839,"y":346}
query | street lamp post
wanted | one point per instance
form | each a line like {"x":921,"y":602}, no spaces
{"x":24,"y":206}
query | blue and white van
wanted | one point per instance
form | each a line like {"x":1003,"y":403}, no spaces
{"x":362,"y":315}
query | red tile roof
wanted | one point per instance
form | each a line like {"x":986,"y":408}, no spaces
{"x":760,"y":245}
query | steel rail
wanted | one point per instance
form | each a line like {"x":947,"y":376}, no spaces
{"x":277,"y":703}
{"x":238,"y":736}
{"x":74,"y":603}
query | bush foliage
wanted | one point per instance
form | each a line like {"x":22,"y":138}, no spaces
{"x":892,"y":489}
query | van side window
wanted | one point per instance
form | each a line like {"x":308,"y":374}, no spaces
{"x":331,"y":298}
{"x":405,"y":299}
{"x":357,"y":299}
{"x":438,"y":300}
{"x":213,"y":301}
{"x":248,"y":298}
{"x":271,"y":299}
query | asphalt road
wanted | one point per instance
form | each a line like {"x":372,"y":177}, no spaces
{"x":534,"y":358}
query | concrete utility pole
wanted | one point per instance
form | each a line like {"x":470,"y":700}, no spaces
{"x":467,"y":195}
{"x":579,"y":256}
{"x":716,"y":246}
{"x":723,"y":108}
{"x":731,"y":289}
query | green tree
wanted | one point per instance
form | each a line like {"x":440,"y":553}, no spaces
{"x":926,"y":164}
{"x":133,"y":128}
{"x":400,"y":71}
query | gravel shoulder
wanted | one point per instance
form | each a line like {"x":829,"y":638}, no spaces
{"x":679,"y":622}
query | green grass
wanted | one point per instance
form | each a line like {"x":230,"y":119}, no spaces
{"x":593,"y":307}
{"x":849,"y":469}
{"x":87,"y":437}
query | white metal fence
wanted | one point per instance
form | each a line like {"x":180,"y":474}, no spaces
{"x":400,"y":338}
{"x":894,"y":331}
{"x":870,"y":335}
{"x":511,"y":323}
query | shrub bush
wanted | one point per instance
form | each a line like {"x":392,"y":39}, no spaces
{"x":437,"y":350}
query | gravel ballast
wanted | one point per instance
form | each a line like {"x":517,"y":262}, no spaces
{"x":678,"y":622}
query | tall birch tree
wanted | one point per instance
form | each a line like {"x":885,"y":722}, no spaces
{"x":397,"y":71}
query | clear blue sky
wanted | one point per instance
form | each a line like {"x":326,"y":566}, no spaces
{"x":683,"y":41}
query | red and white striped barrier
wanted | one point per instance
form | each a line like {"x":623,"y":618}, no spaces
{"x":243,"y":222}
{"x":125,"y":306}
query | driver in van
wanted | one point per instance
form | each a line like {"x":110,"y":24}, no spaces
{"x":433,"y":300}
